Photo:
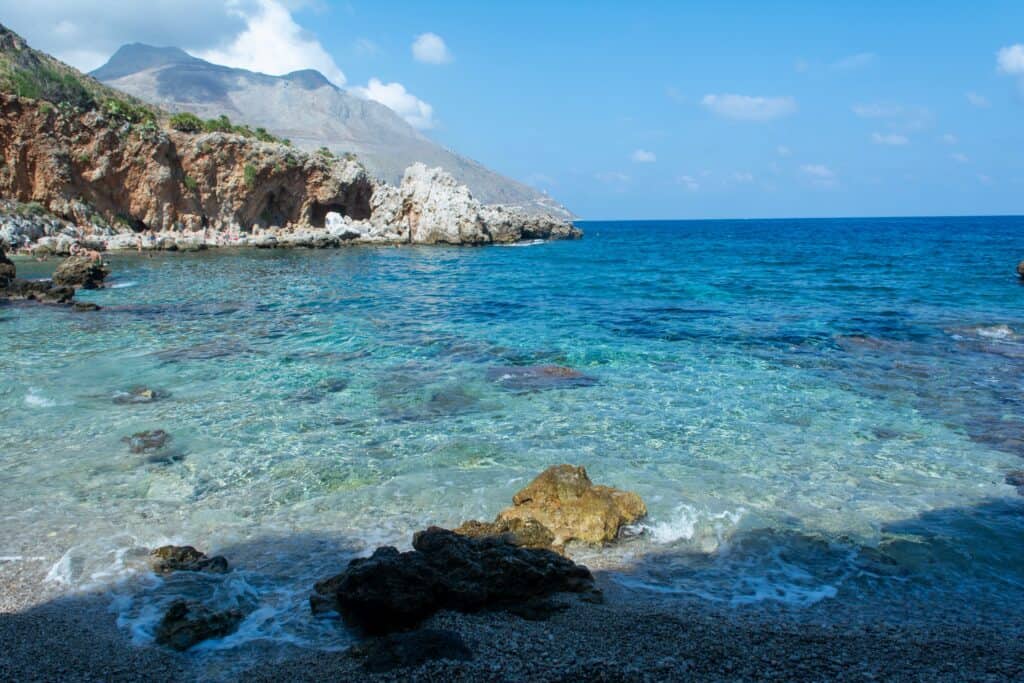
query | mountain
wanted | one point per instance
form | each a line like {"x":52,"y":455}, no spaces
{"x":309,"y":110}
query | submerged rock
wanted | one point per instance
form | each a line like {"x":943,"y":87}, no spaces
{"x":529,"y":378}
{"x":84,"y":306}
{"x":187,"y":623}
{"x":1020,"y":269}
{"x":391,"y":591}
{"x":82,"y":272}
{"x":564,"y":500}
{"x":139,"y":394}
{"x":402,"y":650}
{"x":43,"y":291}
{"x":1016,"y":478}
{"x":148,"y":441}
{"x":185,"y":558}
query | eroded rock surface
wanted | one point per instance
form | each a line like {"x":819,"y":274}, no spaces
{"x":7,"y":269}
{"x":148,"y":441}
{"x":185,"y":558}
{"x":188,"y":623}
{"x":564,"y":500}
{"x":81,"y":272}
{"x":391,"y":591}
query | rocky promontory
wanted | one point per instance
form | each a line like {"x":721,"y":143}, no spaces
{"x":84,"y":164}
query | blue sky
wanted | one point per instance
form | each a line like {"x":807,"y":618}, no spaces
{"x":659,"y":109}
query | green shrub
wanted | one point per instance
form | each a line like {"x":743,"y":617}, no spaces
{"x":186,"y":123}
{"x":84,"y":158}
{"x":190,"y":183}
{"x":221,"y":124}
{"x":325,"y":153}
{"x":122,"y":110}
{"x":250,"y":175}
{"x":41,"y":82}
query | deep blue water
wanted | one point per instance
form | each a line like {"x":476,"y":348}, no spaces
{"x":818,"y":412}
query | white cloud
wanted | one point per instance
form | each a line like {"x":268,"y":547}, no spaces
{"x":783,"y":151}
{"x":985,"y":179}
{"x":857,"y":61}
{"x":959,"y":158}
{"x":818,"y":171}
{"x":394,"y":96}
{"x":689,"y":182}
{"x":674,"y":94}
{"x":1011,"y":59}
{"x":899,"y":117}
{"x":976,"y":100}
{"x":892,"y":139}
{"x":748,"y":108}
{"x":642,"y":156}
{"x":612,"y":178}
{"x":743,"y":177}
{"x":430,"y":48}
{"x":877,"y":111}
{"x":949,"y":139}
{"x":272,"y":43}
{"x":364,"y":47}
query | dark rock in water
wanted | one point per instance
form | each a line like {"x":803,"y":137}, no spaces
{"x":391,"y":591}
{"x":83,"y":306}
{"x":531,"y":378}
{"x":403,"y":650}
{"x":185,"y":558}
{"x":43,"y":291}
{"x":1020,"y":269}
{"x":528,"y":533}
{"x":317,"y":393}
{"x":187,"y":623}
{"x":7,"y":269}
{"x":563,"y":499}
{"x":81,"y":272}
{"x":1016,"y":478}
{"x":140,"y":394}
{"x":148,"y":441}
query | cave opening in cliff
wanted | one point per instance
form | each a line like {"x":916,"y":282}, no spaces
{"x":278,"y":209}
{"x":355,"y":204}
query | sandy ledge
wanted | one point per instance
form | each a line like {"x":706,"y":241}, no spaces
{"x":633,"y":636}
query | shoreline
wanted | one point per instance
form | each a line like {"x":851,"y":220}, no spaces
{"x":632,"y":636}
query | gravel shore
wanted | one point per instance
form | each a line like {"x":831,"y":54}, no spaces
{"x":632,"y":636}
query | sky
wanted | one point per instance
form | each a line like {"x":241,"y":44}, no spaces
{"x":645,"y":110}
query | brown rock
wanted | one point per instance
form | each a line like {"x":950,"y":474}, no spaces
{"x":188,"y":623}
{"x":564,"y":500}
{"x":185,"y":558}
{"x":527,"y":533}
{"x":80,"y":271}
{"x":7,"y":269}
{"x":1020,"y":269}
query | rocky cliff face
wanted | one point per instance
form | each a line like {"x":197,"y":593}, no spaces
{"x":82,"y":163}
{"x":309,"y":110}
{"x":131,"y":185}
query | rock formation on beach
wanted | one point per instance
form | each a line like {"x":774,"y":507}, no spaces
{"x":392,"y":591}
{"x":559,"y":506}
{"x":97,"y":168}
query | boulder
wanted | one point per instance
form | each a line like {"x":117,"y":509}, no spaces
{"x":42,"y":291}
{"x":84,"y":306}
{"x":392,"y":591}
{"x":403,"y":650}
{"x":187,"y":623}
{"x":148,"y":441}
{"x":81,"y":271}
{"x":185,"y":558}
{"x":528,"y":533}
{"x":531,"y":378}
{"x":1020,"y":269}
{"x":564,"y":500}
{"x":7,"y":269}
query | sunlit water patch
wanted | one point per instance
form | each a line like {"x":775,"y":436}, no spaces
{"x":814,"y":411}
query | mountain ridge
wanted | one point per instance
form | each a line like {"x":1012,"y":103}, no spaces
{"x":306,"y":108}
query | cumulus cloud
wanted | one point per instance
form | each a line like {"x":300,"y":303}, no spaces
{"x":820,"y":175}
{"x":430,"y":48}
{"x":272,"y":43}
{"x":976,"y":100}
{"x":642,"y":156}
{"x":959,"y":158}
{"x":254,"y":34}
{"x":395,"y":97}
{"x":743,"y":177}
{"x":897,"y":116}
{"x":783,"y":151}
{"x":891,"y":139}
{"x":1011,"y":60}
{"x":748,"y":108}
{"x":949,"y":139}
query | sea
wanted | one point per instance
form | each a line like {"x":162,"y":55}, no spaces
{"x":823,"y":416}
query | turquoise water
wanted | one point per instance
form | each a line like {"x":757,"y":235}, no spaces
{"x":818,"y":413}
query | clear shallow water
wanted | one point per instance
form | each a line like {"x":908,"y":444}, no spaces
{"x":816,"y":412}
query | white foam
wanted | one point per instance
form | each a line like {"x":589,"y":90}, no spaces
{"x":36,"y":400}
{"x":122,"y":285}
{"x":995,"y":331}
{"x":687,"y":520}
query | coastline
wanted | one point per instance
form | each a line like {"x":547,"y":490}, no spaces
{"x":632,"y":636}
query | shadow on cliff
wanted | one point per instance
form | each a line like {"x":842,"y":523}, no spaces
{"x":920,"y":562}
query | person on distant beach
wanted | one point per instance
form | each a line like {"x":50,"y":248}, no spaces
{"x":138,"y":243}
